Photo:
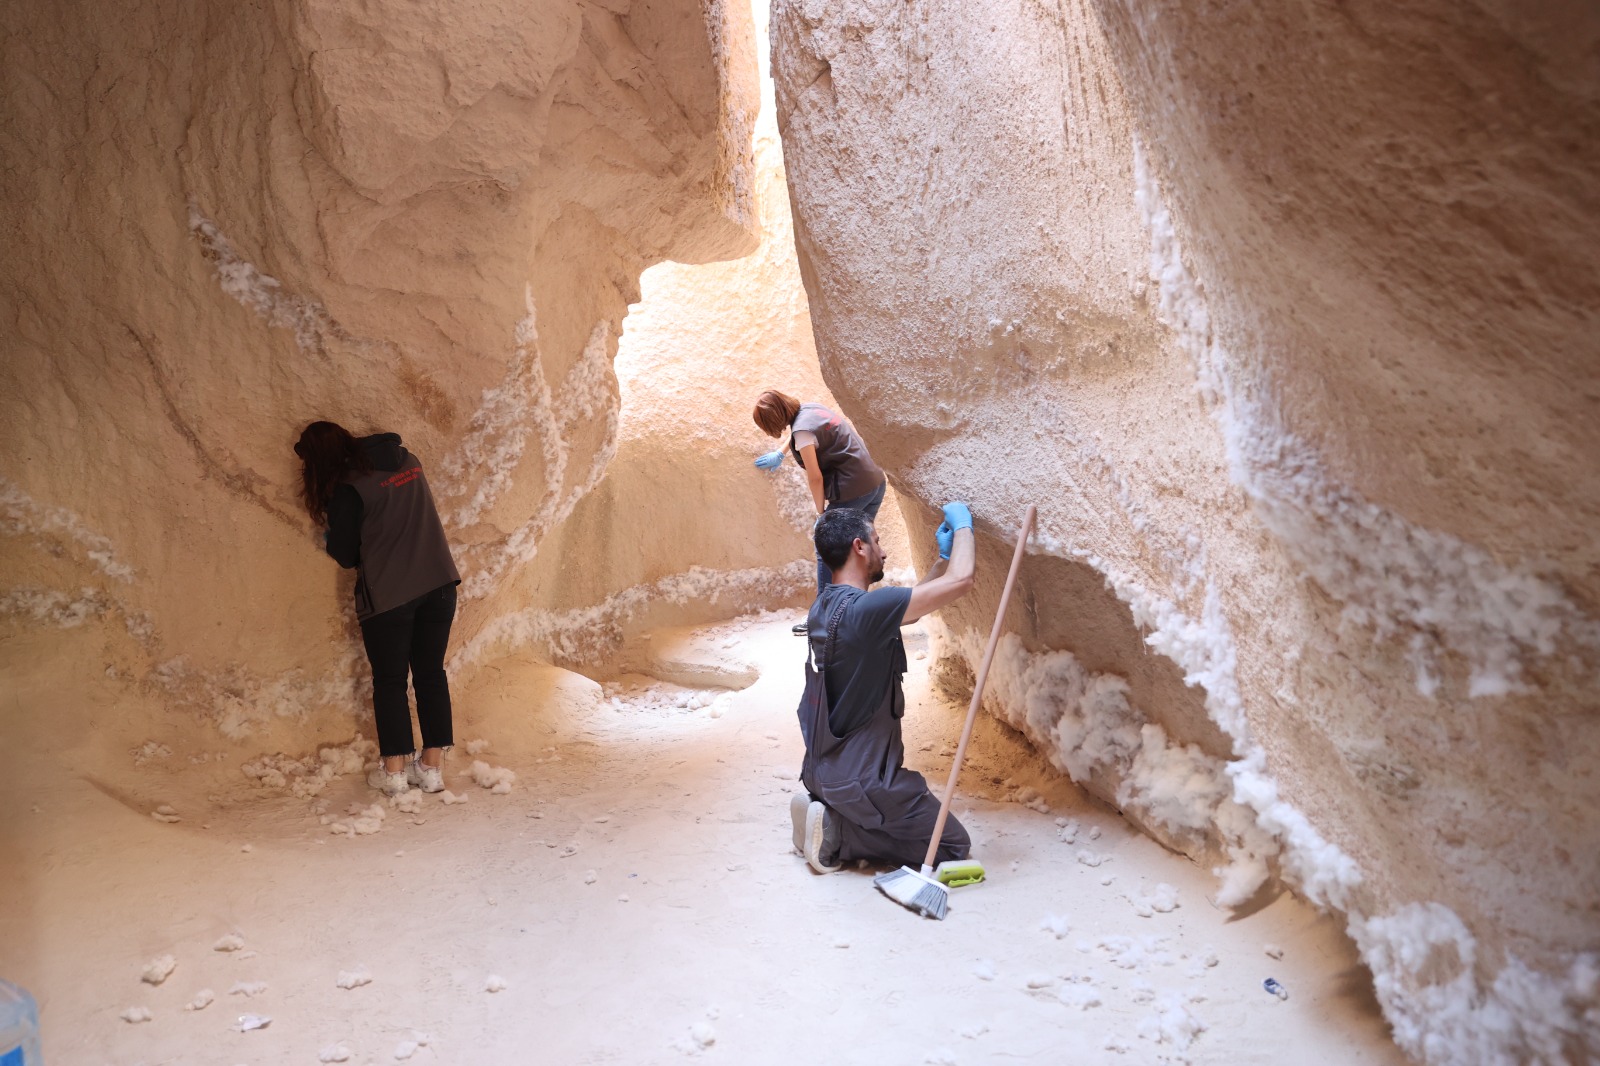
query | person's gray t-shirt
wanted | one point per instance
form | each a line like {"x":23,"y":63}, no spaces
{"x":848,"y":471}
{"x":868,"y":657}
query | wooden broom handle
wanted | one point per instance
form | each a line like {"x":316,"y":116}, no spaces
{"x":977,"y":689}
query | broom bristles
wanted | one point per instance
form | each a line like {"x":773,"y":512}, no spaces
{"x":915,"y":891}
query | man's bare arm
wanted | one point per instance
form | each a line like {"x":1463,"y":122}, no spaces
{"x":946,"y":585}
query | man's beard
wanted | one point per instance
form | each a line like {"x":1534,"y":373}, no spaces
{"x":877,"y":575}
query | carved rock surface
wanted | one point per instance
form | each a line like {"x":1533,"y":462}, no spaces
{"x":1284,"y":319}
{"x":224,"y":222}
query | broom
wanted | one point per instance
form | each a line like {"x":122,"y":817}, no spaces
{"x":921,"y":891}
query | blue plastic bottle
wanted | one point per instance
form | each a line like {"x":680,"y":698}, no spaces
{"x":19,"y":1028}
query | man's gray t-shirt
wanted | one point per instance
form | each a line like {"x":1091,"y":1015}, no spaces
{"x":868,"y":659}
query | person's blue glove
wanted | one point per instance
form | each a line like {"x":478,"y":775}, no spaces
{"x":770,"y":461}
{"x":957,"y":516}
{"x":945,"y":537}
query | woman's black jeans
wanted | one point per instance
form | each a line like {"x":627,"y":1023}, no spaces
{"x":411,"y":639}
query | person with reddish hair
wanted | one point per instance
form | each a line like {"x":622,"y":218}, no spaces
{"x":379,"y":519}
{"x":839,"y":469}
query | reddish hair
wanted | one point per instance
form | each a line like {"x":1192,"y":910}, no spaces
{"x":775,"y":412}
{"x":328,"y":454}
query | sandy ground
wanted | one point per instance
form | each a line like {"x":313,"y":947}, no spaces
{"x":635,"y":892}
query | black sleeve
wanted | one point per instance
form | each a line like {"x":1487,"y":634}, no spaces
{"x":344,"y":526}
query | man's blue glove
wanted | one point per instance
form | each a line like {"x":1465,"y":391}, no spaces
{"x":945,"y":537}
{"x":770,"y":461}
{"x":957,"y":516}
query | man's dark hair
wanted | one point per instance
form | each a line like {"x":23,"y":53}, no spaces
{"x":836,"y":531}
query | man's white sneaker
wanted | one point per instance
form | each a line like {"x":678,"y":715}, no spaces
{"x":387,"y":783}
{"x":427,"y":778}
{"x":822,"y":838}
{"x":799,"y":804}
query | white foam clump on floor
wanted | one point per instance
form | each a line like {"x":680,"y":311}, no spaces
{"x":135,"y":1015}
{"x":497,"y":779}
{"x":1055,"y":925}
{"x":1423,"y":961}
{"x":408,"y":802}
{"x":1082,"y":995}
{"x":636,"y":693}
{"x":1161,"y":900}
{"x":448,"y":798}
{"x":310,"y":774}
{"x":1137,"y":953}
{"x":354,"y":978}
{"x":361,"y":821}
{"x":1088,"y":728}
{"x":1171,"y":1022}
{"x":228,"y":942}
{"x":158,"y":969}
{"x":494,"y":983}
{"x":334,"y":1053}
{"x":165,"y":813}
{"x":476,"y":747}
{"x":149,"y":751}
{"x":202,"y":999}
{"x":247,"y":988}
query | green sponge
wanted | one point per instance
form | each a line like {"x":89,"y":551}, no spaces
{"x":959,"y":872}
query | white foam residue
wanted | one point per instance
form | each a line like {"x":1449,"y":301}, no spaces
{"x":1441,"y":594}
{"x":1171,"y":1022}
{"x":1390,"y":574}
{"x":354,"y":978}
{"x":1423,"y":961}
{"x":496,"y":779}
{"x":55,"y":608}
{"x":237,"y":701}
{"x":1088,"y":728}
{"x":308,"y":775}
{"x":585,"y":634}
{"x":259,"y":291}
{"x":57,"y":527}
{"x":497,"y":438}
{"x":158,"y":969}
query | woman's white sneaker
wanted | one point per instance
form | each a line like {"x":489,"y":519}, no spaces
{"x":387,"y":783}
{"x":427,"y":778}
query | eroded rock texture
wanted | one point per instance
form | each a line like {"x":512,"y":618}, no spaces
{"x":1285,"y":321}
{"x":223,"y":222}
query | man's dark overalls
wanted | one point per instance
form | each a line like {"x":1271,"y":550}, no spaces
{"x":886,"y":812}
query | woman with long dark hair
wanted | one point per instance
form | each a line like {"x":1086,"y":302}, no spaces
{"x":839,"y":469}
{"x":371,"y":498}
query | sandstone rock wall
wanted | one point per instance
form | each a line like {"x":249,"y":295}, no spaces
{"x":683,"y":527}
{"x":1284,"y":320}
{"x":223,"y":222}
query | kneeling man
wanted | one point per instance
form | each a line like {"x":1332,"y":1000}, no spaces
{"x":863,"y":803}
